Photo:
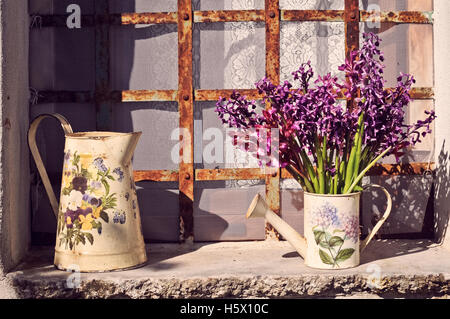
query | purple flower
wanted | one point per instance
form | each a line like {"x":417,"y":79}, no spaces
{"x":350,"y":226}
{"x":67,"y":157}
{"x":79,"y":183}
{"x":314,"y":127}
{"x":325,"y":216}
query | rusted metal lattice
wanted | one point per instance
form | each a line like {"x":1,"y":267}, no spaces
{"x":185,"y":17}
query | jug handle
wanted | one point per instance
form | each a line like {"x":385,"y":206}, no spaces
{"x":382,"y":220}
{"x":37,"y":157}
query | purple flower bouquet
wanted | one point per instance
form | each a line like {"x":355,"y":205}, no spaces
{"x":326,"y":146}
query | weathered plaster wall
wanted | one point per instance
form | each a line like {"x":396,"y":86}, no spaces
{"x":14,"y":167}
{"x":442,"y":125}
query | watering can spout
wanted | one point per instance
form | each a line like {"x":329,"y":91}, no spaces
{"x":259,"y":208}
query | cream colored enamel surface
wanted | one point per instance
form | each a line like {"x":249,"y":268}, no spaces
{"x":331,"y":228}
{"x":99,"y":225}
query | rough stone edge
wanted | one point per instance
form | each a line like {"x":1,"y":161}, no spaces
{"x":394,"y":286}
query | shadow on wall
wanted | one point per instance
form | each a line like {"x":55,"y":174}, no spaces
{"x":442,"y":210}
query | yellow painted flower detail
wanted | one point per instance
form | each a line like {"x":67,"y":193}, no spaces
{"x":92,"y":170}
{"x":97,"y":211}
{"x":69,"y":221}
{"x":67,"y":179}
{"x":85,"y":160}
{"x":86,"y":222}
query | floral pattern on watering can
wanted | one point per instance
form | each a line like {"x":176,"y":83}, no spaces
{"x":86,"y":198}
{"x":99,"y":226}
{"x":333,"y":230}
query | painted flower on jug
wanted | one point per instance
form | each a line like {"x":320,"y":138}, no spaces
{"x":86,"y":199}
{"x":119,"y":173}
{"x":350,"y":227}
{"x":331,"y":230}
{"x":325,"y":216}
{"x":119,"y":217}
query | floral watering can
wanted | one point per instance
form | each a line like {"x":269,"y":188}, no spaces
{"x":331,"y":228}
{"x":99,"y":226}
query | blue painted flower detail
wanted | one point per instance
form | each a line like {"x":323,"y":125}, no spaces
{"x":116,"y":217}
{"x":119,"y":173}
{"x":331,"y":230}
{"x":123,"y":218}
{"x":325,"y":216}
{"x":98,"y":162}
{"x":119,"y":217}
{"x":67,"y":156}
{"x":127,"y":196}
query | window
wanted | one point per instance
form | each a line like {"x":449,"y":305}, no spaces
{"x":157,"y":65}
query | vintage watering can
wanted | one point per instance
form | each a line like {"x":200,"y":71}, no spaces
{"x":331,"y":227}
{"x":99,"y":225}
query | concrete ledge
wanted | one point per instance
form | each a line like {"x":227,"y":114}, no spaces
{"x":394,"y":268}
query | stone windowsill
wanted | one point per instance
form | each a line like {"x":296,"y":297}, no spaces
{"x":406,"y":268}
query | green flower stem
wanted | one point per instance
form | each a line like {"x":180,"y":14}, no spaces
{"x":325,"y":163}
{"x":320,"y":165}
{"x":304,"y":182}
{"x":308,"y":165}
{"x":342,"y":171}
{"x":336,"y":175}
{"x":328,"y":243}
{"x":339,"y":250}
{"x":361,"y":175}
{"x":358,"y":151}
{"x":310,"y":170}
{"x":351,"y":162}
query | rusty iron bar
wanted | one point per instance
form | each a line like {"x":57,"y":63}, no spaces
{"x":401,"y":169}
{"x":156,"y":176}
{"x":144,"y":18}
{"x":418,"y":93}
{"x":214,"y":95}
{"x":102,"y":58}
{"x":419,"y":17}
{"x":398,"y":17}
{"x":186,"y":112}
{"x":225,"y":174}
{"x":148,"y":95}
{"x":422,"y":93}
{"x":272,"y":19}
{"x":118,"y":19}
{"x":313,"y":15}
{"x":229,"y":16}
{"x":351,"y":19}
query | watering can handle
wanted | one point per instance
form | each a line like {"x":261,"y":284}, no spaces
{"x":382,"y":220}
{"x":37,"y":157}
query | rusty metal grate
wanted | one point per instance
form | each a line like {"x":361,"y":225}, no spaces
{"x":185,"y":17}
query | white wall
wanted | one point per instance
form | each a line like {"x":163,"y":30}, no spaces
{"x":442,"y":131}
